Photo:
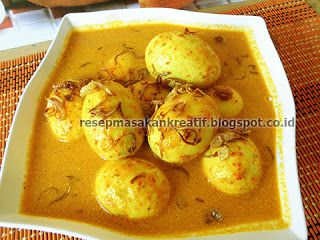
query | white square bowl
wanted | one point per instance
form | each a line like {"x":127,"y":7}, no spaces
{"x":15,"y":157}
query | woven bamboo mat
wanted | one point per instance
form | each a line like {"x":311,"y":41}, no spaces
{"x":295,"y":29}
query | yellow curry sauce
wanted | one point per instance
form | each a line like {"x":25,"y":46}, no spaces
{"x":51,"y":161}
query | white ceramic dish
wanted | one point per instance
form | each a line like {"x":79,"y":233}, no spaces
{"x":14,"y":165}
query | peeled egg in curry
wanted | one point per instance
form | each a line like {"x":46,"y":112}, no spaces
{"x":177,"y":143}
{"x":132,"y":187}
{"x":232,"y":164}
{"x":149,"y":92}
{"x":126,"y":67}
{"x":106,"y":102}
{"x":182,"y":57}
{"x":229,"y":100}
{"x":63,"y":110}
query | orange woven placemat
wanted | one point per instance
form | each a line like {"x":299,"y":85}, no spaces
{"x":295,"y":29}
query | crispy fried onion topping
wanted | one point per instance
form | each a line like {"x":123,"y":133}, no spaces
{"x":190,"y":136}
{"x":213,"y":215}
{"x":102,"y":112}
{"x":73,"y":86}
{"x":55,"y":107}
{"x":64,"y":91}
{"x":184,"y":89}
{"x":222,"y":139}
{"x":95,"y":86}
